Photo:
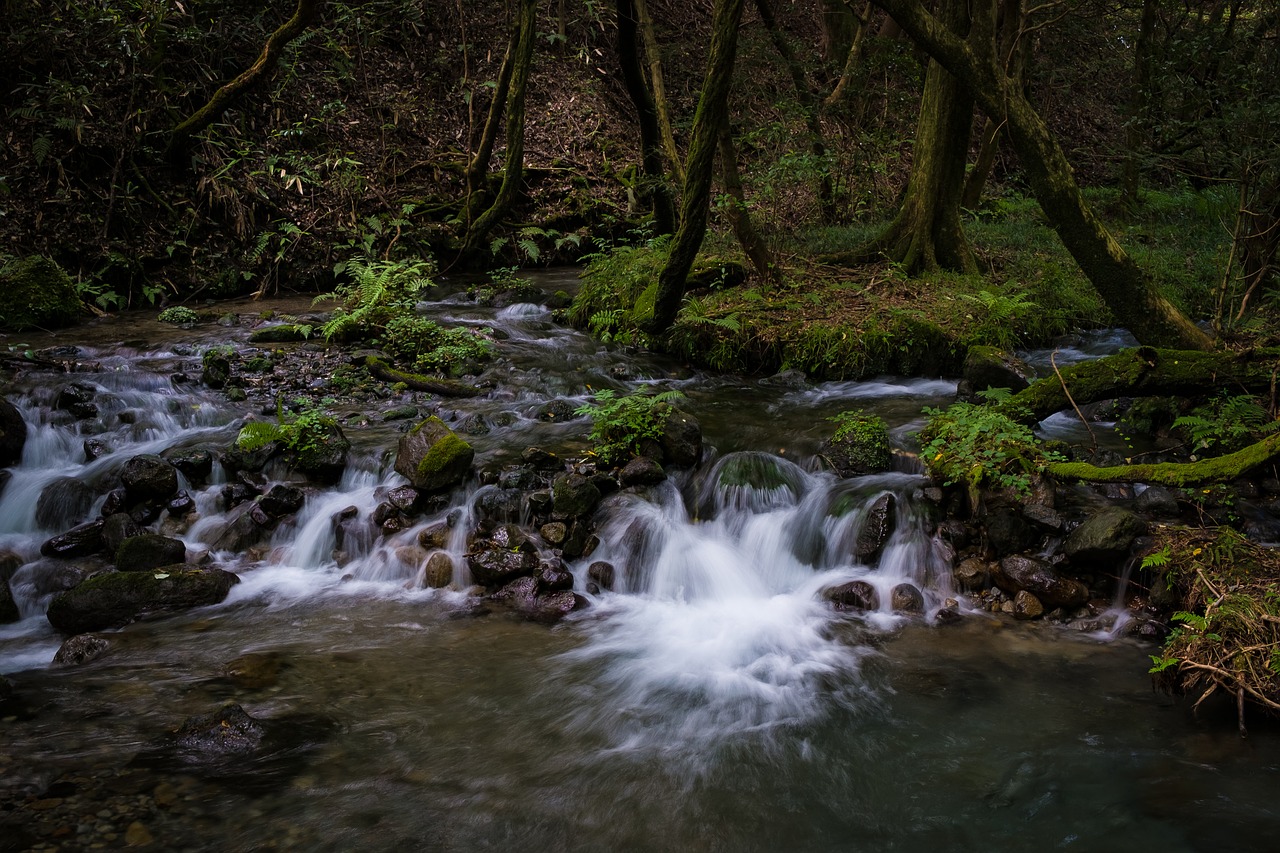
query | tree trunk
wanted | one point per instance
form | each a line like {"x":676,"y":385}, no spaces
{"x":976,"y":182}
{"x":851,"y":60}
{"x":513,"y":162}
{"x":926,"y":234}
{"x":1132,"y":297}
{"x":654,"y":189}
{"x":743,"y":228}
{"x":839,"y":29}
{"x":659,"y":89}
{"x":1135,"y":130}
{"x":712,"y":114}
{"x":808,"y":102}
{"x":478,"y":165}
{"x":226,"y":96}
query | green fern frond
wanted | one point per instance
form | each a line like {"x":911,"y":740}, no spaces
{"x":258,"y":434}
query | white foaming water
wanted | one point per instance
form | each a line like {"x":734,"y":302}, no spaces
{"x":873,"y":389}
{"x":721,"y":630}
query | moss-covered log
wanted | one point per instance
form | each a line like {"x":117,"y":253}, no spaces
{"x":1177,"y":474}
{"x":379,"y":369}
{"x":1145,"y":372}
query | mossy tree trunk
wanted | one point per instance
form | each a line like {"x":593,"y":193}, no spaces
{"x":851,"y":61}
{"x":1127,"y":290}
{"x":654,"y":189}
{"x":478,"y":165}
{"x":513,"y":161}
{"x":712,"y":114}
{"x":227,"y":95}
{"x":654,"y":56}
{"x":1135,"y":129}
{"x":1013,"y":47}
{"x":739,"y":217}
{"x":926,"y":234}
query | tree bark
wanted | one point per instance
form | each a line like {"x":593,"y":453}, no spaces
{"x":739,"y":217}
{"x":1131,"y":295}
{"x":1135,"y":130}
{"x":711,"y":116}
{"x":228,"y":94}
{"x":513,"y":162}
{"x":654,"y":189}
{"x":659,"y":89}
{"x":478,"y":165}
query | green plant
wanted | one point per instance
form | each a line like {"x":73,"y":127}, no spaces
{"x":428,"y":346}
{"x":376,"y":292}
{"x":178,"y":315}
{"x":621,"y":423}
{"x":976,"y":446}
{"x":304,"y":433}
{"x":1227,"y":423}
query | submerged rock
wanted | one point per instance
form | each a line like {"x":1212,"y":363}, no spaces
{"x":432,"y":457}
{"x":80,"y":649}
{"x":114,"y":599}
{"x":63,"y":502}
{"x":876,"y":529}
{"x":855,"y":595}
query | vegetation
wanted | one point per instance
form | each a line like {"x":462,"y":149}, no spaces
{"x":178,"y":315}
{"x":306,"y":434}
{"x":620,"y":424}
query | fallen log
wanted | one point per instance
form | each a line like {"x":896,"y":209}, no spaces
{"x":379,"y":369}
{"x":1177,"y":474}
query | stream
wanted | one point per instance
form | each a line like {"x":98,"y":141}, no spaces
{"x":712,"y":702}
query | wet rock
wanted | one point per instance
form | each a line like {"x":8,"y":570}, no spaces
{"x":991,"y":367}
{"x":387,"y":518}
{"x":860,"y":446}
{"x":80,"y":649}
{"x":5,"y":476}
{"x":1008,"y":533}
{"x":438,"y":573}
{"x":238,"y":531}
{"x":1045,"y":516}
{"x":518,"y":593}
{"x":149,"y":551}
{"x":216,"y":370}
{"x":949,"y":613}
{"x":1017,"y":573}
{"x":580,"y":542}
{"x":1027,"y":606}
{"x":540,"y":503}
{"x":876,"y":529}
{"x":64,"y":502}
{"x":281,"y":500}
{"x":325,"y":459}
{"x":554,"y":532}
{"x":1158,"y":501}
{"x":280,"y":334}
{"x":493,"y":565}
{"x":1105,"y":537}
{"x":236,"y":459}
{"x":517,"y":477}
{"x":10,"y":562}
{"x":180,"y":504}
{"x":8,"y":607}
{"x":149,"y":477}
{"x":115,"y":599}
{"x":235,"y":494}
{"x":13,"y":434}
{"x":434,"y":536}
{"x":432,"y":457}
{"x":642,"y":471}
{"x":905,"y":598}
{"x":497,"y":505}
{"x":522,"y":596}
{"x":474,"y":424}
{"x":573,"y":496}
{"x":114,"y":502}
{"x":254,"y":671}
{"x":80,"y":541}
{"x":855,"y":595}
{"x":539,"y":458}
{"x":553,"y":578}
{"x":681,"y":439}
{"x":972,"y":574}
{"x":602,"y":574}
{"x":196,"y":465}
{"x":404,"y":498}
{"x":95,"y":448}
{"x":76,"y":399}
{"x":556,"y":410}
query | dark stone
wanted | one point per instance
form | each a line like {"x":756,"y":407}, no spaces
{"x":1008,"y":533}
{"x":76,"y":399}
{"x":8,"y":607}
{"x":1045,"y":516}
{"x":554,"y":532}
{"x":281,"y":500}
{"x":145,"y":513}
{"x":234,"y":494}
{"x":10,"y":562}
{"x":602,"y":574}
{"x":474,"y":424}
{"x":497,"y":505}
{"x":438,"y":573}
{"x":1158,"y":501}
{"x":229,"y":731}
{"x":519,"y":593}
{"x":386,"y":517}
{"x":539,"y":458}
{"x":149,"y":551}
{"x":580,"y":542}
{"x":5,"y":476}
{"x":681,"y":440}
{"x":517,"y":477}
{"x":216,"y":370}
{"x":494,"y":565}
{"x":1017,"y":573}
{"x":511,"y":537}
{"x":80,"y":541}
{"x":404,"y":498}
{"x":435,"y":536}
{"x":990,"y":367}
{"x":95,"y":448}
{"x":855,"y":595}
{"x":1105,"y":537}
{"x":642,"y":471}
{"x":180,"y":504}
{"x":876,"y":529}
{"x":237,"y":532}
{"x":554,"y":606}
{"x":326,"y":460}
{"x":260,"y":517}
{"x":432,"y":457}
{"x":280,"y":334}
{"x":540,"y":502}
{"x":573,"y":496}
{"x":905,"y":598}
{"x":556,"y":410}
{"x":115,"y":502}
{"x":55,"y":575}
{"x":148,"y":477}
{"x":972,"y":575}
{"x":63,"y":502}
{"x":195,"y":465}
{"x":114,"y":599}
{"x":860,"y":446}
{"x":553,"y":578}
{"x":235,"y":459}
{"x":13,"y":434}
{"x":81,"y":649}
{"x":604,"y":482}
{"x":116,"y":528}
{"x":1027,"y":606}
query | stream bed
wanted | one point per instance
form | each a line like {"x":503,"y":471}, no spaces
{"x":713,"y":702}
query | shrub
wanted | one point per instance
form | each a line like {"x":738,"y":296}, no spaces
{"x":179,"y":315}
{"x":621,"y":423}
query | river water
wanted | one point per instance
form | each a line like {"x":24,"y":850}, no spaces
{"x":713,"y":703}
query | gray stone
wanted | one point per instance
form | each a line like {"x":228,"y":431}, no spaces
{"x":1105,"y":537}
{"x":1017,"y":573}
{"x":114,"y":599}
{"x":1158,"y":501}
{"x":432,"y":457}
{"x":877,"y":527}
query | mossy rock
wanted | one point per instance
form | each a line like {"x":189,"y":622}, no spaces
{"x":115,"y":599}
{"x":280,"y":334}
{"x":433,"y":457}
{"x":859,"y":446}
{"x":38,"y":295}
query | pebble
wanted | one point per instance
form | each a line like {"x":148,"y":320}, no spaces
{"x":137,"y":835}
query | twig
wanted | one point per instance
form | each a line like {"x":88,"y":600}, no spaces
{"x":1053,"y":356}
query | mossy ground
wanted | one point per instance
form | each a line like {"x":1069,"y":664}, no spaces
{"x":839,"y":323}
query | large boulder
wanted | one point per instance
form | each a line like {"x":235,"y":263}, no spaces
{"x":79,"y":541}
{"x":148,"y":477}
{"x":1018,"y":573}
{"x":196,"y":464}
{"x":855,"y":595}
{"x":115,"y":599}
{"x":13,"y":434}
{"x":63,"y":502}
{"x":1105,"y":537}
{"x":324,"y":458}
{"x":432,"y":457}
{"x":38,"y":294}
{"x":149,"y":551}
{"x":495,"y":562}
{"x":573,"y":496}
{"x":681,"y":439}
{"x":859,"y":446}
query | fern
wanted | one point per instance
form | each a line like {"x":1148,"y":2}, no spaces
{"x":378,"y":291}
{"x":1226,"y":423}
{"x":621,"y":424}
{"x":258,"y":434}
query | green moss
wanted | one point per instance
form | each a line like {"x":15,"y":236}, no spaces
{"x":1216,"y":470}
{"x":38,"y":295}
